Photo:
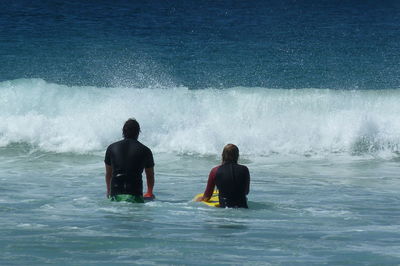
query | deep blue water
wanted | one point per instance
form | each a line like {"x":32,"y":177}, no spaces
{"x":201,"y":44}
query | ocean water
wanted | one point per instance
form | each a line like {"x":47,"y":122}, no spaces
{"x":308,"y":90}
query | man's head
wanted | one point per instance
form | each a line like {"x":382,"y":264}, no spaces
{"x":230,"y":154}
{"x":131,"y":129}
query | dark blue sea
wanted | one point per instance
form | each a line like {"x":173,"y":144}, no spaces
{"x":308,"y":90}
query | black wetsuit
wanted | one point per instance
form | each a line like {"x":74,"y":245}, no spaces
{"x":233,"y":181}
{"x":128,"y":158}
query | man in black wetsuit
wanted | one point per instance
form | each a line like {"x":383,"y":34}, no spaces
{"x":231,"y":178}
{"x":125,"y":161}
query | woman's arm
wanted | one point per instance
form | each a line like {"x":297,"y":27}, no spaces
{"x":210,"y":185}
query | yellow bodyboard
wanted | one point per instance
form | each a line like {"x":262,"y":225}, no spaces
{"x":214,"y":200}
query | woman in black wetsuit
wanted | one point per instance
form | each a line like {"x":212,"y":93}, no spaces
{"x":231,"y":179}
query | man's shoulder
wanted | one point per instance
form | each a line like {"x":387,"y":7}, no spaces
{"x":129,"y":142}
{"x":143,"y":146}
{"x":117,"y":143}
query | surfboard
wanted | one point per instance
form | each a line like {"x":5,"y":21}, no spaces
{"x":214,"y":200}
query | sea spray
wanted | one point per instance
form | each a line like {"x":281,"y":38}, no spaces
{"x":261,"y":121}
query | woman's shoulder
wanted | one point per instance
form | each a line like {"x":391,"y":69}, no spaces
{"x":215,"y":168}
{"x":243,"y":166}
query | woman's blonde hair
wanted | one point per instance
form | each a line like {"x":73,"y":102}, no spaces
{"x":230,"y":154}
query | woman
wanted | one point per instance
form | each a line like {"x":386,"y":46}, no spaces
{"x":231,"y":179}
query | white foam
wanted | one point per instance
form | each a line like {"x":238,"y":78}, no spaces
{"x":260,"y":121}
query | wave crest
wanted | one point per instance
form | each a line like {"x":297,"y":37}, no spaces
{"x":260,"y":121}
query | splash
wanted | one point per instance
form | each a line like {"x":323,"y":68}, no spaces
{"x":260,"y":121}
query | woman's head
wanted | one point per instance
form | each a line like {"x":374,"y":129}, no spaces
{"x":131,"y":129}
{"x":230,"y":154}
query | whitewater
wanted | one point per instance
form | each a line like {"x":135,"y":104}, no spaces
{"x":324,"y":167}
{"x":263,"y":122}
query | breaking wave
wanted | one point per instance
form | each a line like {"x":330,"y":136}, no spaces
{"x":260,"y":121}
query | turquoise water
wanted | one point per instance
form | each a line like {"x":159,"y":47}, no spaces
{"x":309,"y":91}
{"x":306,"y":212}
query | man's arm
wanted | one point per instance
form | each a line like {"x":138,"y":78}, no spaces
{"x":108,"y":179}
{"x":150,"y":182}
{"x":247,"y":182}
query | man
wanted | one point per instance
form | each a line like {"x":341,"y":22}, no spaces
{"x":231,"y":179}
{"x":125,"y":161}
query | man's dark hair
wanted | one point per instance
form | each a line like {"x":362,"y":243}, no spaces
{"x":230,"y":154}
{"x":131,"y":129}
